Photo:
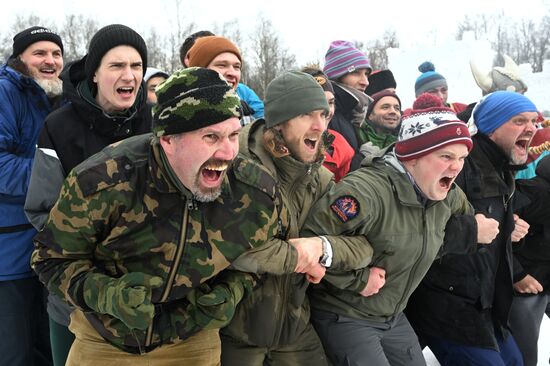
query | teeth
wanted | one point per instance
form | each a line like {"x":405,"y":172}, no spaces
{"x":217,"y":167}
{"x":126,"y":89}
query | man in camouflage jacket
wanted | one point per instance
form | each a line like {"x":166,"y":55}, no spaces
{"x":141,"y":230}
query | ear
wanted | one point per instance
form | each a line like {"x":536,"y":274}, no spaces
{"x":168,"y":144}
{"x":94,"y":79}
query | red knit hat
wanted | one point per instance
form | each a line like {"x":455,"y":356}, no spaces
{"x":429,"y":127}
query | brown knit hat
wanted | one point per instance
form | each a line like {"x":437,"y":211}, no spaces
{"x":206,"y":49}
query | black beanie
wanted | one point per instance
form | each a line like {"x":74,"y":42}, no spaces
{"x":31,"y":35}
{"x":380,"y":80}
{"x":110,"y":37}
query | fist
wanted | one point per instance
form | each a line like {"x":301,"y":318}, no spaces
{"x":487,"y":229}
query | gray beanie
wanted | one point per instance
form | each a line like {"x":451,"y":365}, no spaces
{"x":291,"y":94}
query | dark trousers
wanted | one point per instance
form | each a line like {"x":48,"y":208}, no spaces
{"x":455,"y":354}
{"x":525,"y":318}
{"x":359,"y":342}
{"x":24,"y":335}
{"x":61,"y":340}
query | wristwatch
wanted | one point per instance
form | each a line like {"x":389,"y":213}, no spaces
{"x":324,"y":259}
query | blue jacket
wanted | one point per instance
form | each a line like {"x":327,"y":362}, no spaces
{"x":252,"y":99}
{"x":23,"y":108}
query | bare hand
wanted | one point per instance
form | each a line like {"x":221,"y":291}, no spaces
{"x":377,"y":280}
{"x":520,"y":229}
{"x":487,"y":229}
{"x":315,"y":273}
{"x":309,"y":251}
{"x":528,"y":285}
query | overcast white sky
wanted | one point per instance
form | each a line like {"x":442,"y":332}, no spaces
{"x":305,"y":27}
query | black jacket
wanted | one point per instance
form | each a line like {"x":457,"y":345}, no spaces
{"x":466,"y":298}
{"x":534,"y":254}
{"x":341,"y":123}
{"x":78,"y":130}
{"x":71,"y":134}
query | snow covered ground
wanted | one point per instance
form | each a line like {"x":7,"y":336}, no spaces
{"x":544,"y":350}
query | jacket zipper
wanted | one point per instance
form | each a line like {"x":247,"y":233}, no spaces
{"x":415,"y":266}
{"x":175,"y":265}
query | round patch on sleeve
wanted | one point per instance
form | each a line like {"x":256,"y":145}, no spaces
{"x":345,"y":208}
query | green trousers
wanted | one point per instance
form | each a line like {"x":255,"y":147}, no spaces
{"x":61,"y":340}
{"x":306,"y":349}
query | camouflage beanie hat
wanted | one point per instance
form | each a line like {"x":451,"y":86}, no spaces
{"x":193,"y":98}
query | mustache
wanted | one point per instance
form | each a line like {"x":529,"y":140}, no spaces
{"x":213,"y":163}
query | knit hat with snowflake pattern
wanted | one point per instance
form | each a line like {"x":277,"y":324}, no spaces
{"x":429,"y":127}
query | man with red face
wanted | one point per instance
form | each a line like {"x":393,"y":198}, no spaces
{"x":461,"y":309}
{"x":29,"y":87}
{"x":400,"y":201}
{"x":142,"y":230}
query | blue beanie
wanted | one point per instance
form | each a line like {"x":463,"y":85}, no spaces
{"x":499,"y":107}
{"x":429,"y":79}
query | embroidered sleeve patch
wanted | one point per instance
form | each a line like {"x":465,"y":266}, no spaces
{"x":345,"y":208}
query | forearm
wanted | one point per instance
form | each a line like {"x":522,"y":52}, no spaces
{"x":348,"y":280}
{"x":350,"y":252}
{"x":275,"y":257}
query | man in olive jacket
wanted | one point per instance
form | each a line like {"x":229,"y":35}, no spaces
{"x":401,"y":201}
{"x":271,"y":326}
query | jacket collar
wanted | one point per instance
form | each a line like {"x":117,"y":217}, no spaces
{"x":286,"y":169}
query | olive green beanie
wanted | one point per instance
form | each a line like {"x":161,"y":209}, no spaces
{"x":291,"y":94}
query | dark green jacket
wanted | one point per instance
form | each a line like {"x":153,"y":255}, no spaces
{"x":379,"y":201}
{"x":276,"y":313}
{"x":119,"y":212}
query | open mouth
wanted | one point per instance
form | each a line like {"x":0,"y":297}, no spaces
{"x":212,"y":172}
{"x":125,"y":91}
{"x":48,"y":71}
{"x":310,"y":143}
{"x":446,"y":182}
{"x":522,"y":144}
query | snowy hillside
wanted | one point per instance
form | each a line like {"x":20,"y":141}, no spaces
{"x":451,"y":60}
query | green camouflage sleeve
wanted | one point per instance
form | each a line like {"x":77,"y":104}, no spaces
{"x":213,"y":304}
{"x":64,"y":268}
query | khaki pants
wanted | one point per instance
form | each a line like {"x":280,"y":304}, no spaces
{"x":89,"y":348}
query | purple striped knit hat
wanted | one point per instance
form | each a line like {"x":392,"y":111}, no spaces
{"x":343,"y":57}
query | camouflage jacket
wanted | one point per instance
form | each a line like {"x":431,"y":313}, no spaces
{"x":118,"y":212}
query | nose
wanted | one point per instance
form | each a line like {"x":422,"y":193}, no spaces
{"x":456,"y":165}
{"x":365,"y":80}
{"x":49,"y":58}
{"x":231,"y":71}
{"x":127,"y":73}
{"x":531,"y":128}
{"x":319,"y":122}
{"x":227,"y":149}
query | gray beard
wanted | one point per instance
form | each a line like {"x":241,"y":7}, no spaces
{"x":210,"y":196}
{"x":52,"y":88}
